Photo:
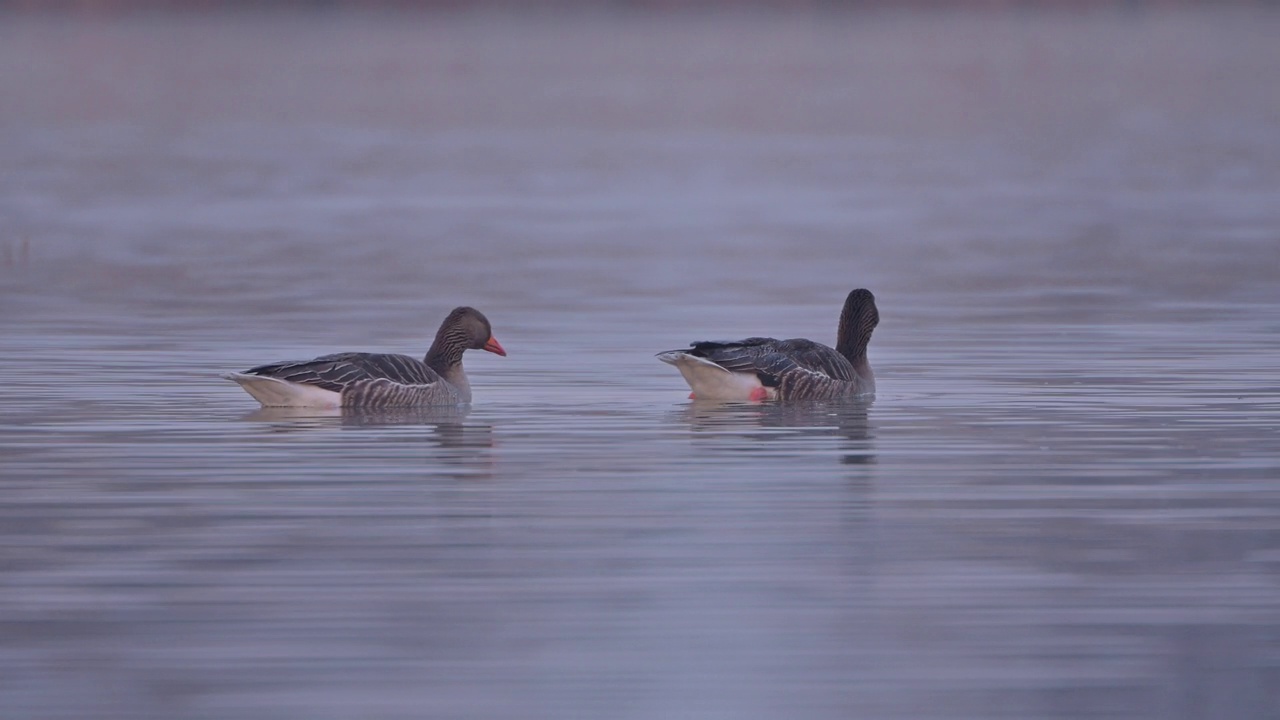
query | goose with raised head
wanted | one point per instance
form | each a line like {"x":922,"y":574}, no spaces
{"x":378,"y":380}
{"x":761,"y":368}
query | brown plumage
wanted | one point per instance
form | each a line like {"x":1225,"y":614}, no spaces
{"x":378,"y":380}
{"x":796,"y":369}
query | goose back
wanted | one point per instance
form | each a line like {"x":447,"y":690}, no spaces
{"x":769,"y":356}
{"x":357,"y":379}
{"x":371,"y":379}
{"x":795,"y":369}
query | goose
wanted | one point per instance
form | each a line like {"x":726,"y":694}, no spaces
{"x":378,"y":380}
{"x":761,"y":368}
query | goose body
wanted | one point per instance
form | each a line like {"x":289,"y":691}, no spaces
{"x":763,"y":368}
{"x":377,"y":380}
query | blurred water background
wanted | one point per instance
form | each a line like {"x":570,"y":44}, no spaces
{"x":1063,"y":503}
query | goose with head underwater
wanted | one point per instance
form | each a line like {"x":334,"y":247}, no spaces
{"x":762,"y":368}
{"x":378,"y":380}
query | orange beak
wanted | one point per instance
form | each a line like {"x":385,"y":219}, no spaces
{"x":494,"y":347}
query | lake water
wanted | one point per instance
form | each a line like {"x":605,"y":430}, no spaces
{"x":1063,"y":503}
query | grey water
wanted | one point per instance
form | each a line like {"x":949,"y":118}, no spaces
{"x":1064,"y":501}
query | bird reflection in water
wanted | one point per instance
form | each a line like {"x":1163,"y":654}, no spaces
{"x":465,"y":447}
{"x":768,"y":424}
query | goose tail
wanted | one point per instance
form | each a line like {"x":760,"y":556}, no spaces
{"x":274,"y":392}
{"x":709,"y":381}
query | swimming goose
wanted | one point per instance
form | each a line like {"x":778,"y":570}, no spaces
{"x":378,"y":380}
{"x":761,"y":368}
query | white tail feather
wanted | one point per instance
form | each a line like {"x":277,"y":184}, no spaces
{"x":709,"y":381}
{"x":273,"y":392}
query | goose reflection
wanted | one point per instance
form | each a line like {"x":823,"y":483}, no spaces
{"x":766,"y":424}
{"x":300,"y":417}
{"x":465,"y":448}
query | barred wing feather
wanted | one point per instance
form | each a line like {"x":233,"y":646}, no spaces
{"x":344,"y":371}
{"x":770,"y":357}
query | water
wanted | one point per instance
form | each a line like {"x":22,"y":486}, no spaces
{"x":1063,"y":503}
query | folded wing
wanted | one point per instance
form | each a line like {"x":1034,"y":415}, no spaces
{"x":342,"y":372}
{"x":770,"y":358}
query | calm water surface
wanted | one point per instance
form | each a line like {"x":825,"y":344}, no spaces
{"x":1063,"y":503}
